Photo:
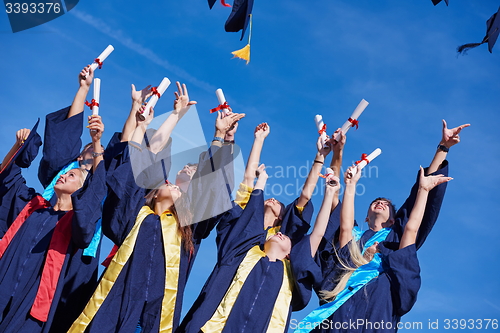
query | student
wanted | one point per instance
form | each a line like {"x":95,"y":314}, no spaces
{"x":142,"y":288}
{"x":44,"y":242}
{"x":251,"y":288}
{"x":393,"y":292}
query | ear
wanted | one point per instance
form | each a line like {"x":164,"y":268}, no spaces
{"x":366,"y":219}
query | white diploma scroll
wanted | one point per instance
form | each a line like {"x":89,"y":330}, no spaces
{"x":97,"y":96}
{"x":102,"y":57}
{"x":221,"y":98}
{"x":318,"y":119}
{"x":357,"y":112}
{"x":364,"y":162}
{"x":331,"y":182}
{"x":154,"y":99}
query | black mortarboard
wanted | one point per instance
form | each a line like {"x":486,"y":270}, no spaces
{"x":435,"y":2}
{"x":27,"y":153}
{"x":492,"y":31}
{"x":211,"y":3}
{"x":240,"y":16}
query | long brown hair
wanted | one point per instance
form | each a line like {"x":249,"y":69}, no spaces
{"x":183,"y":219}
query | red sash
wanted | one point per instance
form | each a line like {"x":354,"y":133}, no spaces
{"x":36,"y":203}
{"x":55,"y":257}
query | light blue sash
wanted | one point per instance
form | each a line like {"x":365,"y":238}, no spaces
{"x":48,"y":193}
{"x":359,"y":278}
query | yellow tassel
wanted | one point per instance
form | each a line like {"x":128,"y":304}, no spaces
{"x":244,"y":53}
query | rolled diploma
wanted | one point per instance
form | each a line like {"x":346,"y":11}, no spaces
{"x":97,"y":95}
{"x":328,"y":172}
{"x":370,"y":158}
{"x":357,"y":112}
{"x":318,"y":119}
{"x":221,"y":98}
{"x":103,"y":56}
{"x":154,"y":99}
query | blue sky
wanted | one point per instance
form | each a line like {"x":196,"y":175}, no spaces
{"x":307,"y":58}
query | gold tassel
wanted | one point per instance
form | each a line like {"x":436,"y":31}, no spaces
{"x":244,"y":53}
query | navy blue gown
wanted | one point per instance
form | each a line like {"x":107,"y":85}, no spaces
{"x":22,"y":263}
{"x":394,"y":292}
{"x":136,"y":297}
{"x":237,"y":232}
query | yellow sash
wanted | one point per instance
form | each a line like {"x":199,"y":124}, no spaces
{"x":281,"y":306}
{"x":171,"y":245}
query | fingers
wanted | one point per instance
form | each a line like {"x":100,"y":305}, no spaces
{"x":445,"y":126}
{"x":133,"y":88}
{"x":461,"y":127}
{"x":179,"y":89}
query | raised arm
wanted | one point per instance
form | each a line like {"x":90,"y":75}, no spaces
{"x":312,"y":178}
{"x":260,"y":134}
{"x":85,"y":80}
{"x":336,"y":163}
{"x":449,"y":138}
{"x":347,"y":211}
{"x":181,"y":107}
{"x":138,"y":99}
{"x":96,"y":127}
{"x":426,"y":184}
{"x":332,"y":186}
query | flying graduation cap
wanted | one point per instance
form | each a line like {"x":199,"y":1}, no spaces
{"x":492,"y":31}
{"x":435,"y":2}
{"x":239,"y":19}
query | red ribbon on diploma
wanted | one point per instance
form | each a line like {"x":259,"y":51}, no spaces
{"x":155,"y":91}
{"x":354,"y":122}
{"x":224,"y":3}
{"x":99,"y":62}
{"x":363,"y":158}
{"x":220,"y":107}
{"x":322,"y":130}
{"x":92,"y":103}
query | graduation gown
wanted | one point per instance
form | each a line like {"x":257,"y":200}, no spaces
{"x":238,"y":231}
{"x":394,"y":292}
{"x":137,"y":294}
{"x":22,"y":263}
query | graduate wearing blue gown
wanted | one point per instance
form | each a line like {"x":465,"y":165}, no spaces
{"x":262,"y":298}
{"x":25,"y":306}
{"x":393,"y":292}
{"x":146,"y":291}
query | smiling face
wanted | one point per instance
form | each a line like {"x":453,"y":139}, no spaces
{"x":185,"y":175}
{"x":168,"y":192}
{"x":381,"y":209}
{"x":279,"y":244}
{"x":275,"y":206}
{"x":70,"y":181}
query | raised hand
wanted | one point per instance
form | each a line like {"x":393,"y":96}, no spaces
{"x":429,"y":182}
{"x":332,"y":182}
{"x":227,"y":123}
{"x":85,"y":77}
{"x":22,"y":135}
{"x":451,"y":136}
{"x":326,"y":149}
{"x":352,"y":175}
{"x":96,"y":127}
{"x":144,"y":119}
{"x":139,"y":97}
{"x":262,"y":131}
{"x":337,"y":146}
{"x":182,"y":102}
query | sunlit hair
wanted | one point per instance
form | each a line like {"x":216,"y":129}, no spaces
{"x":83,"y":176}
{"x":357,"y":259}
{"x":391,"y":205}
{"x":183,"y":219}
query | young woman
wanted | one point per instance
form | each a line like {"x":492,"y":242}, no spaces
{"x":44,"y":243}
{"x":143,"y":286}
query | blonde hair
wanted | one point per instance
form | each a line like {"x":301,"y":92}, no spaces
{"x":357,"y":260}
{"x":83,"y":176}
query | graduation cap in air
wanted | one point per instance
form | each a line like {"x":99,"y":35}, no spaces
{"x":435,"y":2}
{"x":492,"y":31}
